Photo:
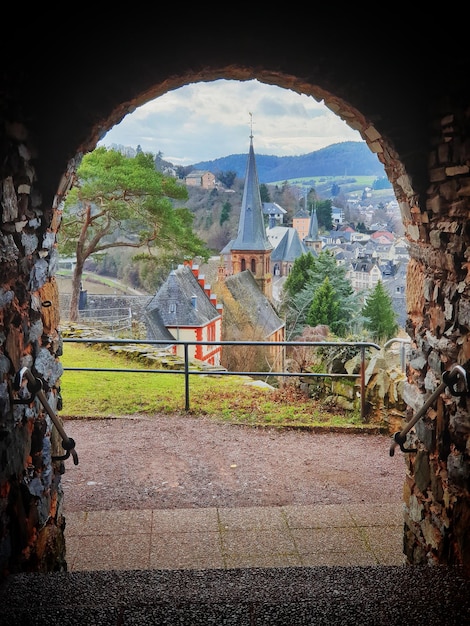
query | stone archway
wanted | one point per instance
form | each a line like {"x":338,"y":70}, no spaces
{"x":419,"y":134}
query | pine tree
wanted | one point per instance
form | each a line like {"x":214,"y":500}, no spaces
{"x":380,"y":318}
{"x":306,"y":277}
{"x":299,"y":274}
{"x":114,"y":194}
{"x":325,"y":307}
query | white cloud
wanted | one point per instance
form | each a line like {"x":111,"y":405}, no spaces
{"x":205,"y":121}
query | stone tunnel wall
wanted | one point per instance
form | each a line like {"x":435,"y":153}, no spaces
{"x":437,"y":484}
{"x":31,"y":519}
{"x":437,"y":487}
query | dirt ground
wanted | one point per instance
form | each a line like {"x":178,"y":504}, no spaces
{"x":163,"y":462}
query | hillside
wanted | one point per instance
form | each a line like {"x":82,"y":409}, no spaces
{"x":341,"y":159}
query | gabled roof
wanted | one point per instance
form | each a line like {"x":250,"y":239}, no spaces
{"x":251,"y":231}
{"x":383,"y":234}
{"x":198,"y":173}
{"x":272,"y":208}
{"x":364,"y":265}
{"x":302,"y":214}
{"x":181,"y":301}
{"x":258,"y":310}
{"x":286,"y":242}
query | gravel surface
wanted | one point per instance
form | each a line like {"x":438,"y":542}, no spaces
{"x":166,"y":462}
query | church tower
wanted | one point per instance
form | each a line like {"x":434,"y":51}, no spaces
{"x":312,"y":241}
{"x":251,"y":249}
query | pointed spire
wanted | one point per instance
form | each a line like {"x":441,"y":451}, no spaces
{"x":251,"y":230}
{"x":313,"y":224}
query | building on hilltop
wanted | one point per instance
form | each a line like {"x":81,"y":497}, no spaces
{"x":200,"y":178}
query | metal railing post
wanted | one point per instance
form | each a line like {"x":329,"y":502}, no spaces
{"x":403,"y":343}
{"x":363,"y":383}
{"x":186,"y":377}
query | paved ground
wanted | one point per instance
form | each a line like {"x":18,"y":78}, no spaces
{"x":333,"y":561}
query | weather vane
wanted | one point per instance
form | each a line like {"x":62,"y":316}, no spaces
{"x":251,"y":125}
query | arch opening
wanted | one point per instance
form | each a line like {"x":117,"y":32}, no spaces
{"x":357,"y":121}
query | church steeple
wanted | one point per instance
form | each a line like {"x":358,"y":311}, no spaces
{"x":313,"y":226}
{"x":251,"y":230}
{"x":312,"y":240}
{"x":251,"y":249}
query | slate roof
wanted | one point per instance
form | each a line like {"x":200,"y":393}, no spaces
{"x":156,"y":329}
{"x":313,"y":227}
{"x":302,"y":214}
{"x":286,"y":242}
{"x":181,"y":301}
{"x":244,"y":288}
{"x":197,"y":173}
{"x":272,"y":208}
{"x":251,"y":230}
{"x":363,"y":265}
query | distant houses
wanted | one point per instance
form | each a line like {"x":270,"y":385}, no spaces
{"x":240,"y":305}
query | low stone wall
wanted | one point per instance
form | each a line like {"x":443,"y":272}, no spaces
{"x":384,"y":380}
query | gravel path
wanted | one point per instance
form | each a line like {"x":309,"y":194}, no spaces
{"x":165,"y":462}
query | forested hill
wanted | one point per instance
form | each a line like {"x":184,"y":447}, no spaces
{"x":349,"y":158}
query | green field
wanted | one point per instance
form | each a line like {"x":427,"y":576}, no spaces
{"x":349,"y":185}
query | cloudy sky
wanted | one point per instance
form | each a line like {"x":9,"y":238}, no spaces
{"x":205,"y":121}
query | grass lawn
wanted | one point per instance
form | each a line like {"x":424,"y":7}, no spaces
{"x":91,"y":394}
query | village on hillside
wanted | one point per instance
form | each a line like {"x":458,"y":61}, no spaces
{"x":243,"y":285}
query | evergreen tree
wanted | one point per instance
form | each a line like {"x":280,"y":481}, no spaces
{"x":227,"y":178}
{"x":264,"y":193}
{"x":225,"y":213}
{"x":307,"y":275}
{"x":325,"y":307}
{"x":299,"y":274}
{"x":325,"y":214}
{"x":380,"y":318}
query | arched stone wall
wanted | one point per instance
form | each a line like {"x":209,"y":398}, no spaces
{"x":413,"y":118}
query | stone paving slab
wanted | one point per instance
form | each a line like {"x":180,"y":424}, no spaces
{"x":226,"y":538}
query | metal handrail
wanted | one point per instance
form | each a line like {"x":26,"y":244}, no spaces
{"x":404,"y":342}
{"x":35,"y":388}
{"x":455,"y":380}
{"x":187,"y":371}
